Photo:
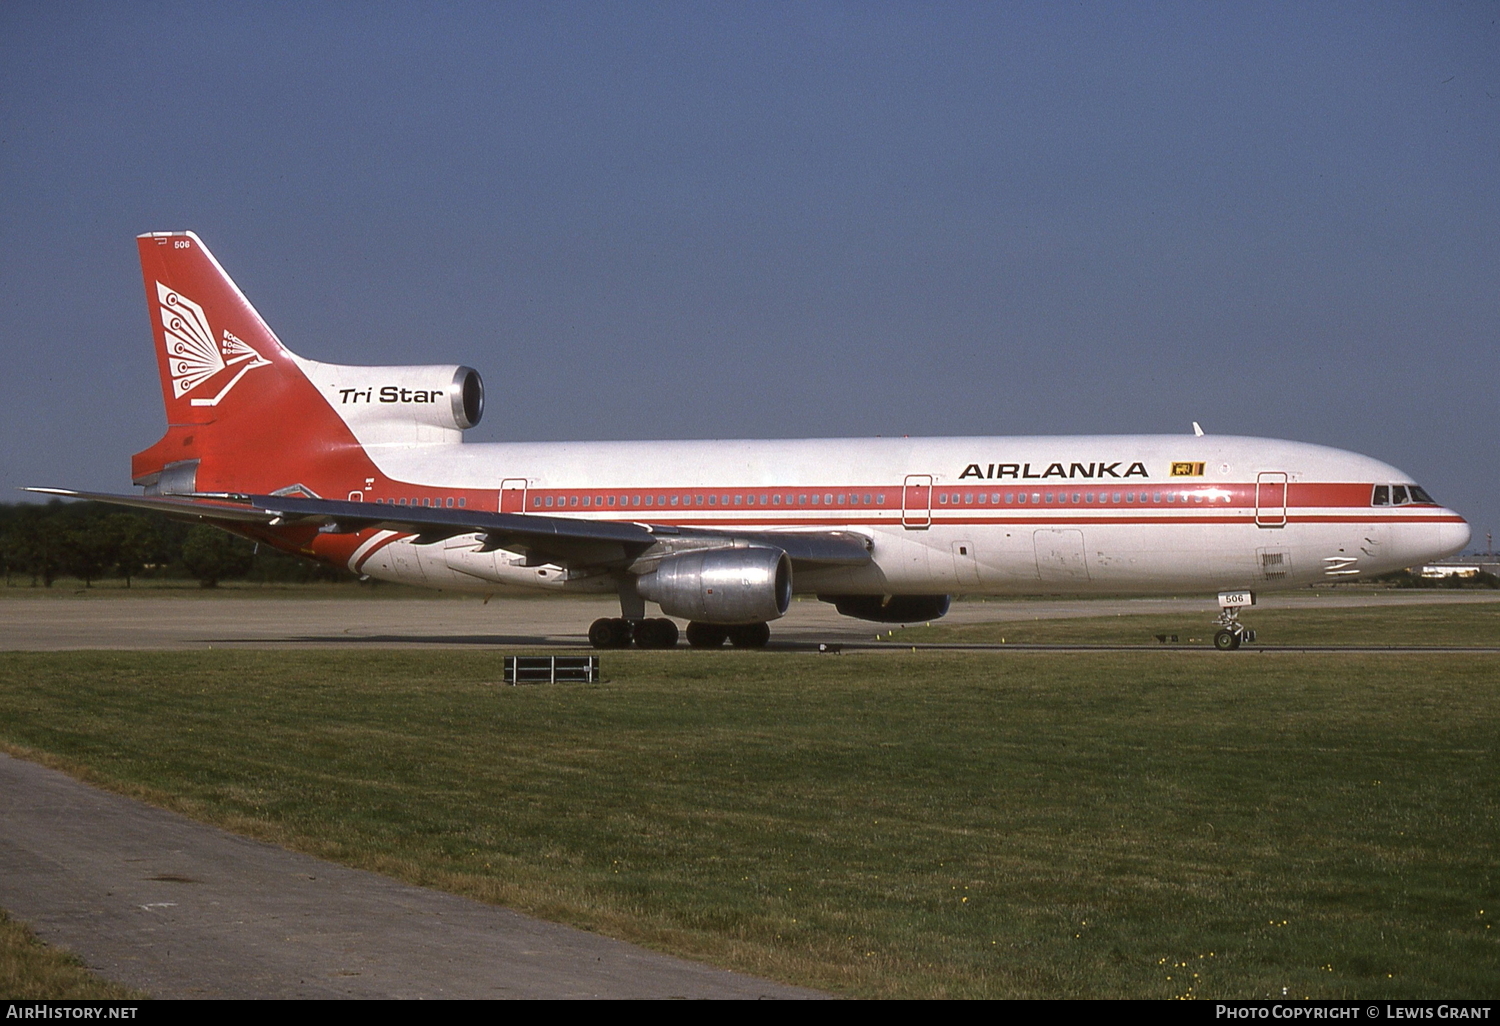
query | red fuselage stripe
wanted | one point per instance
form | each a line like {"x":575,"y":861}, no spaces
{"x":1175,"y":503}
{"x":376,"y":548}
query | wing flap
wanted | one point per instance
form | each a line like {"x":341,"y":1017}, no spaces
{"x":554,"y":539}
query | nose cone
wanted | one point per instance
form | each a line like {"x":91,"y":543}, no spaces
{"x":1414,"y":543}
{"x":1453,"y":535}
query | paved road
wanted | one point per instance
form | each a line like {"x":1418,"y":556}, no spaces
{"x":187,"y":621}
{"x":178,"y":909}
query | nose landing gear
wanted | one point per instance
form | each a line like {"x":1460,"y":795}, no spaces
{"x":1231,"y":633}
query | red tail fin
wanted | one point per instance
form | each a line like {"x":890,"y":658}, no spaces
{"x":208,"y":336}
{"x":241,"y":415}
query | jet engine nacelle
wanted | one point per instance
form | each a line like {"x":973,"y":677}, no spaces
{"x":726,"y":586}
{"x":890,"y":608}
{"x":401,"y":405}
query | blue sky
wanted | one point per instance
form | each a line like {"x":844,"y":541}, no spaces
{"x":779,"y":220}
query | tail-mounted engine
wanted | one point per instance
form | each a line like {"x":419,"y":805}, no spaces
{"x":725,"y":586}
{"x":401,"y":405}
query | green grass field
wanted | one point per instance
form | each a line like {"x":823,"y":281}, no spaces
{"x":1445,"y":624}
{"x":1154,"y":824}
{"x":31,"y":971}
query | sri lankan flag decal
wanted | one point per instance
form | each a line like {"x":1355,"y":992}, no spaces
{"x":1187,"y":470}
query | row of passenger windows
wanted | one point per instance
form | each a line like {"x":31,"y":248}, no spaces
{"x":1382,"y":498}
{"x":736,"y":499}
{"x":1399,"y":495}
{"x":1103,"y":498}
{"x":875,"y":499}
{"x":439,"y":502}
{"x":1383,"y":495}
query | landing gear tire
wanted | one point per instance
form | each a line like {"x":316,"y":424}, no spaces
{"x":1226,"y":640}
{"x":706,"y":635}
{"x":750,"y":635}
{"x":656,"y":634}
{"x":1231,"y":633}
{"x":610,"y":632}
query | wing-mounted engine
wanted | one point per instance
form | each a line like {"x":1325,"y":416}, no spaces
{"x":722,"y":586}
{"x":401,"y":405}
{"x":890,"y":608}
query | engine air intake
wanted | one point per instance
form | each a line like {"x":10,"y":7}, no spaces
{"x":726,"y":586}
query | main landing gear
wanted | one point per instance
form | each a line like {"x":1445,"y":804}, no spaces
{"x":633,"y":625}
{"x":740,"y":635}
{"x":1231,"y":633}
{"x":618,"y":632}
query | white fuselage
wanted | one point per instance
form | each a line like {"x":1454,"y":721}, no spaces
{"x":937,"y":516}
{"x":1022,"y":515}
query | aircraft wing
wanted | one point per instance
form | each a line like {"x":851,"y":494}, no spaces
{"x":567,"y":541}
{"x":178,"y":507}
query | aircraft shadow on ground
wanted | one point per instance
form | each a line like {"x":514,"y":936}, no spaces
{"x":414,"y":640}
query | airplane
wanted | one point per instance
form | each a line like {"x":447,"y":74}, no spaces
{"x":366,"y":468}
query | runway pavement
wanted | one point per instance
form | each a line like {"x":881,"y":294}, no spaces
{"x":185,"y":620}
{"x":182,"y":910}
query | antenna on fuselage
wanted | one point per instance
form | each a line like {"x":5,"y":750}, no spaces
{"x":1197,"y":431}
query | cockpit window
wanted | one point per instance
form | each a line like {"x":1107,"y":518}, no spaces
{"x":1399,"y":495}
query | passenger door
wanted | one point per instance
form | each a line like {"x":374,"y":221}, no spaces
{"x":916,"y":502}
{"x":1270,"y":499}
{"x":513,"y":495}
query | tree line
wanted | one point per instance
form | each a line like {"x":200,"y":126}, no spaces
{"x":92,"y":541}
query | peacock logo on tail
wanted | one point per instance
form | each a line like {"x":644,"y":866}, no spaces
{"x":193,"y":355}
